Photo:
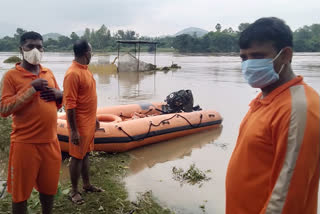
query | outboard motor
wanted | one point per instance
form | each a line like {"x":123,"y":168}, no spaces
{"x":179,"y":101}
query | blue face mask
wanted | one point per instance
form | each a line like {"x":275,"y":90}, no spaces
{"x":260,"y":72}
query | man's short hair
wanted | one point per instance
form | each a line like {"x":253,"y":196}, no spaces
{"x":269,"y":29}
{"x":30,"y":35}
{"x":80,"y":47}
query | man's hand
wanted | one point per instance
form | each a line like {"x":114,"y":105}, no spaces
{"x":75,"y":137}
{"x":97,"y":124}
{"x":39,"y":84}
{"x":51,"y":94}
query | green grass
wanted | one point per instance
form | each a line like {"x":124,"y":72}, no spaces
{"x":166,"y":50}
{"x":5,"y":129}
{"x":12,"y":59}
{"x":192,"y":176}
{"x":106,"y":171}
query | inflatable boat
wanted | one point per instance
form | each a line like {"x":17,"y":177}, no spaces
{"x":126,"y":127}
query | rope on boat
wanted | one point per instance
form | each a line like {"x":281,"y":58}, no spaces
{"x":165,"y":121}
{"x":120,"y":128}
{"x":121,"y":115}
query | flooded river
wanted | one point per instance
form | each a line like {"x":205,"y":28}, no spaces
{"x":216,"y":83}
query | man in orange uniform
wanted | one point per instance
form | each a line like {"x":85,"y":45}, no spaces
{"x":81,"y":106}
{"x":29,"y":92}
{"x":275,"y":165}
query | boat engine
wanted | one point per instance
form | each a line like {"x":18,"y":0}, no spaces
{"x":179,"y":101}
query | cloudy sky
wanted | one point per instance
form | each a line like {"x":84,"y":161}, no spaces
{"x":148,"y":17}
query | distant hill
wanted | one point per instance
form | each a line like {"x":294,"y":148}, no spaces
{"x":191,"y":31}
{"x":53,"y":36}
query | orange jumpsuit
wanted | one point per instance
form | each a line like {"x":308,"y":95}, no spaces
{"x":80,"y":94}
{"x":35,"y":156}
{"x":275,"y":165}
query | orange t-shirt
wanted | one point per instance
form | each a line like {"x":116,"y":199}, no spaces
{"x":80,"y":94}
{"x":34,"y":120}
{"x":275,"y":165}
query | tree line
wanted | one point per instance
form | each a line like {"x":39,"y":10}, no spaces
{"x":305,"y":39}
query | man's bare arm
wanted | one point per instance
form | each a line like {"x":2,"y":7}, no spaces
{"x":75,"y":137}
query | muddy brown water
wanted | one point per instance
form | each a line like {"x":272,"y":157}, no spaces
{"x":216,"y":83}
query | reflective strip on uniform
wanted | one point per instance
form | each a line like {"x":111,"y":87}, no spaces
{"x":295,"y":139}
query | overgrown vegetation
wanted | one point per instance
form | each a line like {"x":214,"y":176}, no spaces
{"x":192,"y":176}
{"x":218,"y":40}
{"x":12,"y":59}
{"x":5,"y":130}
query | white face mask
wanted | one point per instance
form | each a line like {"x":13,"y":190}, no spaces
{"x":33,"y":57}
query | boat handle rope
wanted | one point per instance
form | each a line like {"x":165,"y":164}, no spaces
{"x":165,"y":121}
{"x":121,"y":129}
{"x":160,"y":110}
{"x":121,"y":115}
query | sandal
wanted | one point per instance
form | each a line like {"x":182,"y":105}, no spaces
{"x":92,"y":188}
{"x":74,"y":199}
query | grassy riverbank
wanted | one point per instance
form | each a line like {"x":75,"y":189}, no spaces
{"x":107,"y":171}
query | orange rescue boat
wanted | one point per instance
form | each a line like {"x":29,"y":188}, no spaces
{"x":126,"y":127}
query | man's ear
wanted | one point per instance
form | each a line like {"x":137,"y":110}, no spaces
{"x":287,"y":54}
{"x":20,"y":49}
{"x":88,"y":57}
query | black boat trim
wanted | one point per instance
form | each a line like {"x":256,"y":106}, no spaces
{"x":106,"y":140}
